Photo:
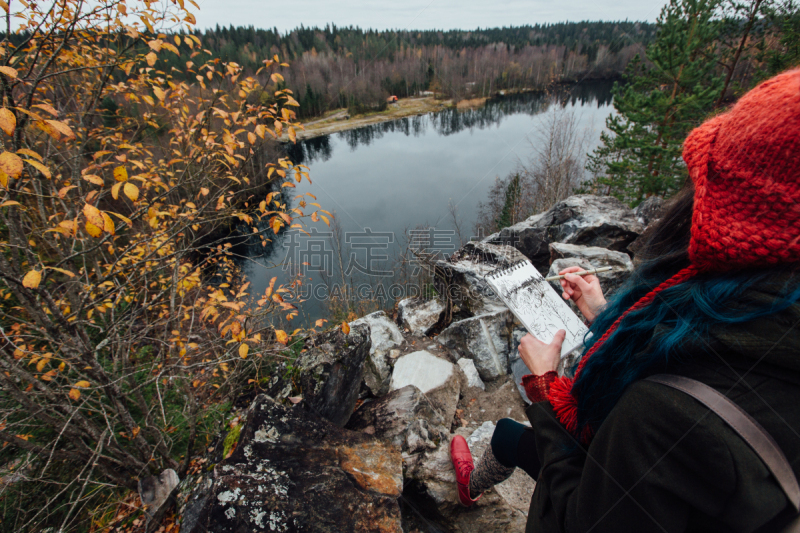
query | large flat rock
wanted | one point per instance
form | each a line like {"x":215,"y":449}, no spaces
{"x":473,"y":378}
{"x":434,"y":377}
{"x":292,"y":471}
{"x":601,"y":221}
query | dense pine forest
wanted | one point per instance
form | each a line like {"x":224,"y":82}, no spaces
{"x":335,"y":67}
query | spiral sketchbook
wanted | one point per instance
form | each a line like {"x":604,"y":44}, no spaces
{"x":537,"y":305}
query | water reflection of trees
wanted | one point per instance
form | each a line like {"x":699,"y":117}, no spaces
{"x":451,"y":121}
{"x":315,"y":149}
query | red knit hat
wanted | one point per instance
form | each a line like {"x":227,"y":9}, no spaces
{"x":745,"y":165}
{"x":747,"y":210}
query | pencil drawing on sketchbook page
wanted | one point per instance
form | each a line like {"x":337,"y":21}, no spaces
{"x":537,"y":305}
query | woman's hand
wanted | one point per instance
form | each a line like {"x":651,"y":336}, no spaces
{"x":539,"y":357}
{"x":585,"y":291}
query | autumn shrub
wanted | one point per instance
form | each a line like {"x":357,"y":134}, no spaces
{"x":124,"y":322}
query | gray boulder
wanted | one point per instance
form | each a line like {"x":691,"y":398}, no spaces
{"x":434,"y":377}
{"x":496,"y":255}
{"x":384,"y":335}
{"x":649,"y":211}
{"x":601,"y":221}
{"x":567,"y":255}
{"x":405,"y":417}
{"x":484,"y":339}
{"x":328,"y":373}
{"x":293,"y":471}
{"x":157,"y":495}
{"x":473,"y":378}
{"x":419,"y":316}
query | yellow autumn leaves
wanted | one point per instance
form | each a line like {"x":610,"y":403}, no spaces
{"x":12,"y":165}
{"x":281,"y":336}
{"x":32,"y":279}
{"x":75,"y":393}
{"x":8,"y":121}
{"x":98,"y":221}
{"x":129,"y":189}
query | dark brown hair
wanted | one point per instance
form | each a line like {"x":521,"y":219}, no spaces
{"x":666,"y":250}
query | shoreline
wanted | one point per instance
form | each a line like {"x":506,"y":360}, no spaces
{"x":337,"y":120}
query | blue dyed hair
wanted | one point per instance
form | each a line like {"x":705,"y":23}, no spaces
{"x":649,"y":339}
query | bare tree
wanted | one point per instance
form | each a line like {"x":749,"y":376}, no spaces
{"x":557,"y":160}
{"x":554,"y":168}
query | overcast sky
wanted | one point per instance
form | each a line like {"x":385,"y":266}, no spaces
{"x":417,"y":14}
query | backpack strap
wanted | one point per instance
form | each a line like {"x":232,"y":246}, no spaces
{"x":746,"y":427}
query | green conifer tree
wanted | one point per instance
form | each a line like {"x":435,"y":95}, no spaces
{"x":784,"y":21}
{"x":664,"y":97}
{"x":510,"y":212}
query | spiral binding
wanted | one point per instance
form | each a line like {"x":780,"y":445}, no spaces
{"x":503,"y":271}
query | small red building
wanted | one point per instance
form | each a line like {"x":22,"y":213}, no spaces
{"x":392,"y":99}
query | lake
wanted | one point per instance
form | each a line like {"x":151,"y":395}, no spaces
{"x":391,"y":183}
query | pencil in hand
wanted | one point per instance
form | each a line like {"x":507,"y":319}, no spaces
{"x":581,"y":273}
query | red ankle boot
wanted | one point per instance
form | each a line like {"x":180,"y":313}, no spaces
{"x":462,"y":462}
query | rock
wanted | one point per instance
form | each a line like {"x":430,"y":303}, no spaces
{"x":156,"y":493}
{"x":14,"y":471}
{"x":384,"y":336}
{"x":418,"y":315}
{"x":473,"y":378}
{"x":294,"y":471}
{"x":193,"y":495}
{"x":405,"y":417}
{"x":601,"y":221}
{"x":484,"y":339}
{"x":328,"y":373}
{"x":498,"y":255}
{"x":434,"y":377}
{"x":431,"y":486}
{"x":501,"y":400}
{"x":516,"y":366}
{"x":566,"y":255}
{"x":649,"y":211}
{"x":462,"y":276}
{"x":530,"y":237}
